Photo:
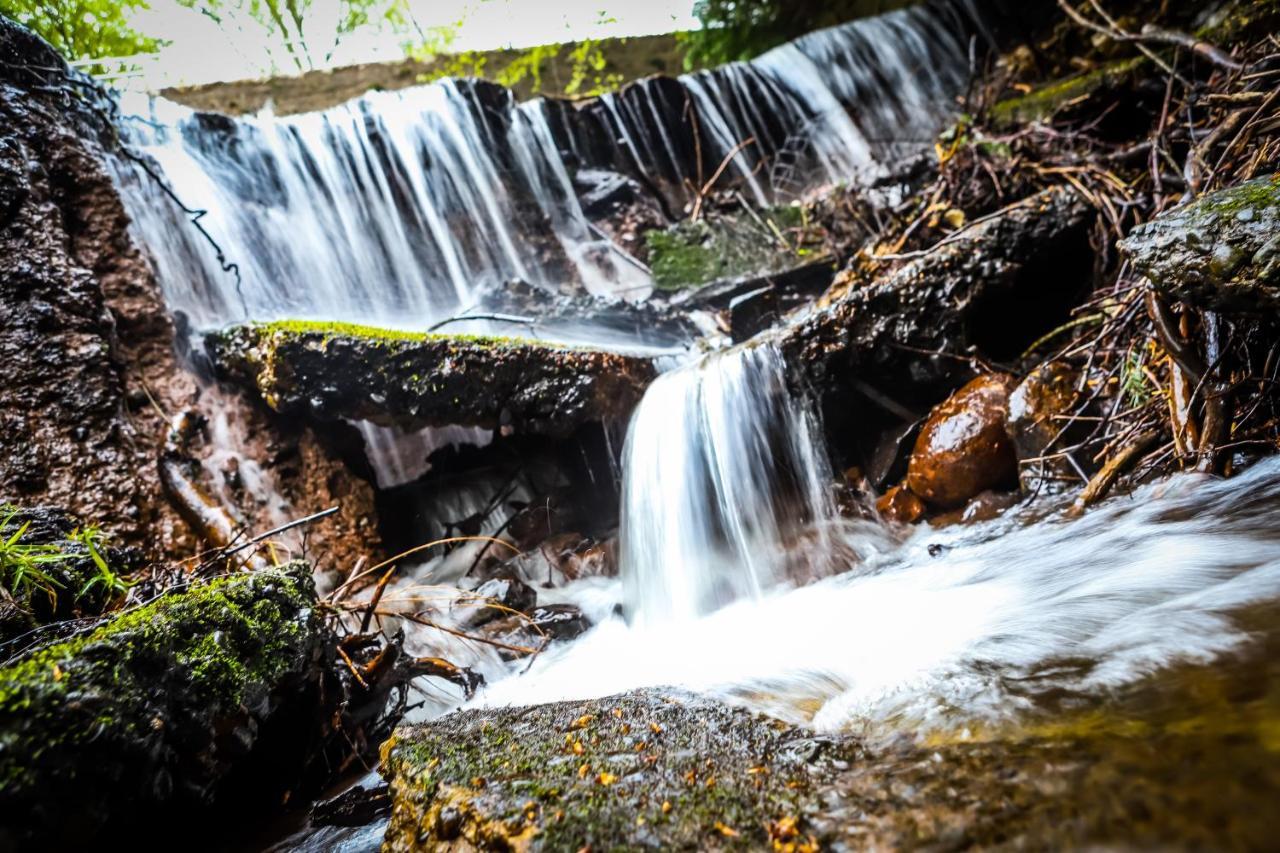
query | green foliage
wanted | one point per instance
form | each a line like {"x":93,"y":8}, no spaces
{"x":584,"y":62}
{"x":83,"y":29}
{"x":42,"y":569}
{"x":734,"y":30}
{"x":292,"y":24}
{"x":110,"y":584}
{"x":24,"y":567}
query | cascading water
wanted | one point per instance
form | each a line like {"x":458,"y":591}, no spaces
{"x":721,"y":465}
{"x":400,"y":208}
{"x":966,"y":625}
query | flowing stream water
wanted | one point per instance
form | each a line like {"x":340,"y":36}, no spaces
{"x":737,"y":576}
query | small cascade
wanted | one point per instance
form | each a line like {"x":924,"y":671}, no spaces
{"x":401,"y":208}
{"x":722,"y":467}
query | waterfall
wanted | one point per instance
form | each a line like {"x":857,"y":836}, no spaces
{"x":968,"y":625}
{"x":400,"y":208}
{"x":722,"y":465}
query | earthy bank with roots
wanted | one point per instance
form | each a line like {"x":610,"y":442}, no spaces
{"x":864,"y":445}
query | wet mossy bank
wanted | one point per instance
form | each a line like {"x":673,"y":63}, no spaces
{"x":335,"y":370}
{"x":159,"y":711}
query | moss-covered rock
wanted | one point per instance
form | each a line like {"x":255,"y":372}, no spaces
{"x":1185,"y":759}
{"x":645,"y":769}
{"x":1043,"y":101}
{"x":411,"y":379}
{"x":730,"y":246}
{"x":153,"y":709}
{"x":1221,"y":251}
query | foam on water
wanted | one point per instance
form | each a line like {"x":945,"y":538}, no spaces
{"x":1007,"y":614}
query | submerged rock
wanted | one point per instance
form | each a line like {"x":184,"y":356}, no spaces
{"x":1221,"y":251}
{"x":409,"y":379}
{"x":963,"y":448}
{"x":154,"y":709}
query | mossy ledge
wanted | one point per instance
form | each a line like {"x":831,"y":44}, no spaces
{"x":411,"y":379}
{"x":151,"y":712}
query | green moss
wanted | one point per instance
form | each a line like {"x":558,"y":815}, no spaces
{"x":1254,"y":196}
{"x":1049,"y":98}
{"x":333,"y":329}
{"x":694,"y":253}
{"x":101,"y":719}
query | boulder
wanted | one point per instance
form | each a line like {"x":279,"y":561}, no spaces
{"x":412,"y":379}
{"x":1177,"y":761}
{"x":994,"y":287}
{"x":900,"y":504}
{"x":1220,"y":251}
{"x":1036,"y":407}
{"x":963,"y":448}
{"x":151,"y":712}
{"x":648,"y":769}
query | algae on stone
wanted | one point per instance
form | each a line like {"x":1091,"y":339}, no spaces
{"x":1220,"y":251}
{"x":643,"y":769}
{"x":1044,"y":101}
{"x":153,"y":708}
{"x":738,"y":245}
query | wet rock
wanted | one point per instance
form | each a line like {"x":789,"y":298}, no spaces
{"x":1221,"y":251}
{"x":900,"y":504}
{"x":152,"y":711}
{"x":524,"y":634}
{"x":983,"y":507}
{"x":963,"y":448}
{"x":334,"y":370}
{"x":994,"y":287}
{"x":1036,"y":423}
{"x":495,"y":598}
{"x":645,"y":769}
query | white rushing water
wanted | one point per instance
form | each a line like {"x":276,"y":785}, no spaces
{"x":400,"y":208}
{"x":721,"y":466}
{"x":1006,"y":613}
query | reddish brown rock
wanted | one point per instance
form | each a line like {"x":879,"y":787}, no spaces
{"x":963,"y":448}
{"x":1035,"y":423}
{"x":900,"y":504}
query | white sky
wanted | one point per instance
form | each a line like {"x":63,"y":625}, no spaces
{"x":202,"y":52}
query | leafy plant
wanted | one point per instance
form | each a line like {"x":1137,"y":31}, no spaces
{"x":111,"y":584}
{"x":24,"y":566}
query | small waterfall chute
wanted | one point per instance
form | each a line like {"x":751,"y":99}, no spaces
{"x":721,"y":465}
